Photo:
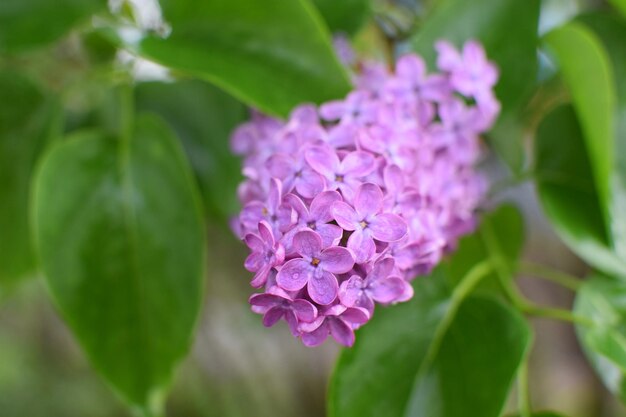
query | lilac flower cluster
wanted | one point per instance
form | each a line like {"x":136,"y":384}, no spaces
{"x":344,"y":204}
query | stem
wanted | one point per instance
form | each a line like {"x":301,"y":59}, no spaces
{"x":524,"y":389}
{"x":549,"y":274}
{"x":556,"y":314}
{"x":467,"y":284}
{"x":515,"y":296}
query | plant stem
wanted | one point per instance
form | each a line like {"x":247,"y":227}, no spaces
{"x":541,"y":271}
{"x":524,"y":388}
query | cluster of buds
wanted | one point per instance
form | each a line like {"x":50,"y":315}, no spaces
{"x":343,"y":205}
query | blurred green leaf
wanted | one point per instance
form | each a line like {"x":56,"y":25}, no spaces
{"x":620,"y":5}
{"x":540,"y":414}
{"x":29,"y":23}
{"x":121,"y":241}
{"x":501,"y":236}
{"x":343,"y":16}
{"x":567,"y":191}
{"x":26,"y":125}
{"x":431,"y":356}
{"x":508,"y":30}
{"x":586,"y":69}
{"x":272,"y":55}
{"x":603,"y":301}
{"x":203,"y":118}
{"x":611,"y":30}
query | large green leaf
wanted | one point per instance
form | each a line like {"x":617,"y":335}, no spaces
{"x":611,"y":30}
{"x":121,"y":240}
{"x":568,"y":193}
{"x":25,"y":127}
{"x":203,"y":118}
{"x":431,"y":357}
{"x":29,"y":23}
{"x":541,"y":414}
{"x":603,"y":301}
{"x":508,"y":30}
{"x":271,"y":54}
{"x":345,"y":16}
{"x":586,"y":68}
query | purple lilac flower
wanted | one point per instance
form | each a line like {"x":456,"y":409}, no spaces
{"x":315,"y":268}
{"x":367,"y":222}
{"x":344,"y":204}
{"x":266,"y":254}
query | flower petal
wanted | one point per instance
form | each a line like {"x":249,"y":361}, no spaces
{"x":388,"y":290}
{"x":280,"y":166}
{"x":323,"y":288}
{"x":362,"y":246}
{"x":388,"y":227}
{"x":310,"y":183}
{"x":341,"y":332}
{"x":336,"y":259}
{"x":368,"y":200}
{"x":350,"y":291}
{"x":358,"y":164}
{"x":272,"y":316}
{"x":254,"y":242}
{"x":317,"y":336}
{"x":381,"y":270}
{"x":266,"y":300}
{"x":304,"y":310}
{"x":298,"y":206}
{"x":294,"y":274}
{"x":323,"y":160}
{"x":274,"y":197}
{"x":355,"y":316}
{"x":344,"y":215}
{"x":320,"y":206}
{"x":265,"y":231}
{"x":394,"y":179}
{"x":260,"y":278}
{"x":307,"y":243}
{"x":330,"y":234}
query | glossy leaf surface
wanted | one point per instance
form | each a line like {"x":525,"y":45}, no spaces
{"x":567,"y":191}
{"x":121,"y":241}
{"x":427,"y":358}
{"x":271,"y":54}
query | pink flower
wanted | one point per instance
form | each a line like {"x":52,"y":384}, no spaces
{"x":345,"y":204}
{"x":316,"y":268}
{"x":367,"y":222}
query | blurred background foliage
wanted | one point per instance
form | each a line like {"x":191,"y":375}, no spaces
{"x":69,"y":66}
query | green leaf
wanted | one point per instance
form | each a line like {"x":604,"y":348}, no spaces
{"x":501,"y":235}
{"x":344,"y":16}
{"x":603,"y":301}
{"x":26,"y":118}
{"x":540,"y":414}
{"x":620,"y":5}
{"x":567,"y":192}
{"x":433,"y":356}
{"x":203,"y":117}
{"x":121,"y":240}
{"x":29,"y":23}
{"x":508,"y":30}
{"x":272,"y":55}
{"x":611,"y":30}
{"x":586,"y":69}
